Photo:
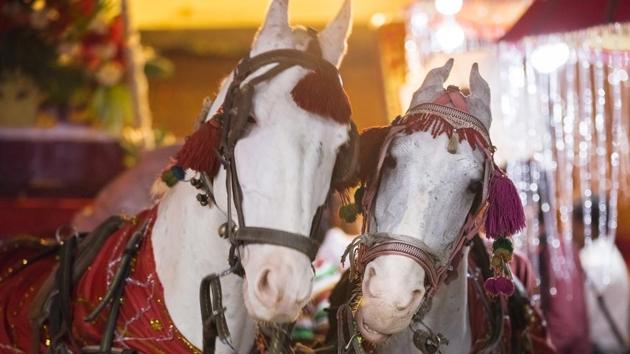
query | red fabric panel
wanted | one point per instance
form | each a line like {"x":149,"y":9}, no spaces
{"x":143,"y":322}
{"x":555,"y":16}
{"x":37,"y":216}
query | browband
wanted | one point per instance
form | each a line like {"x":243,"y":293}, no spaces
{"x":456,"y":118}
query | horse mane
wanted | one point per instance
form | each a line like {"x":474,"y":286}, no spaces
{"x":370,"y":142}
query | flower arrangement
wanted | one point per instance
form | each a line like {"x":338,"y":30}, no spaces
{"x":73,"y":51}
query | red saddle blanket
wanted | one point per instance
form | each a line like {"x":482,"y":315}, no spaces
{"x":143,"y":322}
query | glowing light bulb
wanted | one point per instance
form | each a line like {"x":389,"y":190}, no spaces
{"x":448,"y":7}
{"x":450,"y":35}
{"x":419,"y":22}
{"x":547,"y":58}
{"x":378,"y":19}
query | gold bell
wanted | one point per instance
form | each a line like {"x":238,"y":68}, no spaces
{"x":453,"y":142}
{"x":223,"y":229}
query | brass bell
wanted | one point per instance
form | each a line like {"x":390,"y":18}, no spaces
{"x":453,"y":142}
{"x":196,"y":182}
{"x":223,"y":229}
{"x":202,"y":199}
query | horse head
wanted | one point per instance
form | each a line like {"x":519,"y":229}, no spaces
{"x":425,"y":189}
{"x":299,"y":122}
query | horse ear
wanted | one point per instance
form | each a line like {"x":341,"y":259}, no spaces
{"x":275,"y":32}
{"x":334,"y":38}
{"x":433,"y":84}
{"x":437,"y":76}
{"x":479,"y":99}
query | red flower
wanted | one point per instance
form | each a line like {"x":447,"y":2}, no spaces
{"x":117,"y":30}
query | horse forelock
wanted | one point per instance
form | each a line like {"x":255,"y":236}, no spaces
{"x":370,"y":144}
{"x":323,"y":94}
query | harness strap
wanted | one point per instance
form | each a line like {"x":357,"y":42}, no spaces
{"x":60,"y":317}
{"x":257,"y":235}
{"x":370,"y":194}
{"x":345,"y":325}
{"x":46,"y":303}
{"x":213,"y":314}
{"x":115,"y":291}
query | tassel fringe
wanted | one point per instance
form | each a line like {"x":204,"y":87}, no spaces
{"x":505,"y":214}
{"x":437,"y":125}
{"x":199,"y":152}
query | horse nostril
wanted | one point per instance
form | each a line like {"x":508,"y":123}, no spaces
{"x":414,"y":300}
{"x":268,"y":292}
{"x":370,"y":273}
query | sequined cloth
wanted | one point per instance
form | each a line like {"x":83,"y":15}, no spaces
{"x":143,"y":322}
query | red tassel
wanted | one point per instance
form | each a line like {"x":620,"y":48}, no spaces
{"x":505,"y":214}
{"x":499,"y":285}
{"x":323,"y":95}
{"x":199,"y":152}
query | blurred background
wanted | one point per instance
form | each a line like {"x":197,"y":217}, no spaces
{"x":96,"y":93}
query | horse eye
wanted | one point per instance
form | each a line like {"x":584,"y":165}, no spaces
{"x":251,"y":119}
{"x":474,"y":186}
{"x":389,"y":162}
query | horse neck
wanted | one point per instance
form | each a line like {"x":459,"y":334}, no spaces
{"x":186,"y":248}
{"x":449,"y":311}
{"x":448,"y":316}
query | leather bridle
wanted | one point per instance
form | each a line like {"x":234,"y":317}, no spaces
{"x":233,"y":118}
{"x":371,"y":245}
{"x":237,"y":108}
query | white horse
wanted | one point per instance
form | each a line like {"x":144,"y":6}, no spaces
{"x":284,"y":164}
{"x":425,"y":192}
{"x":434,"y":185}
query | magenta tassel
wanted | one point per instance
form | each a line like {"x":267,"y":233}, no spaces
{"x":491,"y":286}
{"x":504,"y":285}
{"x":499,"y":285}
{"x":505,"y":214}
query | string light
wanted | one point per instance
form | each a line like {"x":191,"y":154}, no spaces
{"x":450,"y":35}
{"x":600,"y":149}
{"x":584,"y":146}
{"x":616,"y":136}
{"x":547,"y":58}
{"x":448,"y":7}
